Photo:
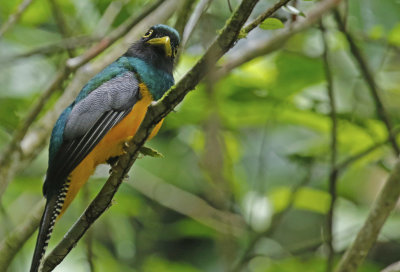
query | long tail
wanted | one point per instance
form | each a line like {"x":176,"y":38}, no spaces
{"x":51,"y":211}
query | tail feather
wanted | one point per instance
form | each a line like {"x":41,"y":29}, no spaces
{"x":51,"y":211}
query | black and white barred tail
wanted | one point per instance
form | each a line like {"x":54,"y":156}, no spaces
{"x":52,"y":209}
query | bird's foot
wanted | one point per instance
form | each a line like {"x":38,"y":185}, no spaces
{"x":112,"y":161}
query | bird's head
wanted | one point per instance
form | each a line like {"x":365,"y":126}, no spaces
{"x":158,"y":47}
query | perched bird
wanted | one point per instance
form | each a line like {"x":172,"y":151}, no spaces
{"x":106,"y":113}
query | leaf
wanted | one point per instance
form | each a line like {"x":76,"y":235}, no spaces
{"x":306,"y":198}
{"x":312,"y":200}
{"x":147,"y":151}
{"x":376,"y":32}
{"x":272,"y":23}
{"x":394,"y":35}
{"x":280,"y":198}
{"x":293,"y":10}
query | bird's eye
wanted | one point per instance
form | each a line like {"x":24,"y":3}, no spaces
{"x":175,"y":51}
{"x":148,"y":33}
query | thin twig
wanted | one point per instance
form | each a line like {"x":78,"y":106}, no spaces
{"x":53,"y":48}
{"x":15,"y":17}
{"x":200,"y":8}
{"x":369,"y":79}
{"x":264,"y":15}
{"x":230,"y":6}
{"x":62,"y":25}
{"x":390,"y":192}
{"x":214,"y":154}
{"x":345,"y":163}
{"x":154,"y":114}
{"x":351,"y":159}
{"x":108,"y":17}
{"x":333,"y":170}
{"x":114,"y":36}
{"x":188,"y":204}
{"x":214,"y":164}
{"x":268,"y":45}
{"x":377,"y":216}
{"x":183,"y":15}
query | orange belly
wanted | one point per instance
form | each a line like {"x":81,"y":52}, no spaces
{"x":110,"y":146}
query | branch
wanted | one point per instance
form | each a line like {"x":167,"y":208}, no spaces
{"x":345,"y":163}
{"x":377,"y":216}
{"x":154,"y":114}
{"x":76,"y":42}
{"x":62,"y":25}
{"x":214,"y":157}
{"x":183,"y":15}
{"x":108,"y":17}
{"x":351,"y":159}
{"x":264,"y":16}
{"x":117,"y":33}
{"x":390,"y":192}
{"x":53,"y":48}
{"x":369,"y":79}
{"x":268,"y":45}
{"x":394,"y":267}
{"x":189,"y":205}
{"x":333,"y":170}
{"x":14,"y":241}
{"x":201,"y":7}
{"x":15,"y":17}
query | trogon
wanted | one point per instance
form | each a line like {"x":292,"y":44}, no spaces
{"x":106,"y":113}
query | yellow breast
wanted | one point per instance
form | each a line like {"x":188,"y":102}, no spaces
{"x":110,"y":146}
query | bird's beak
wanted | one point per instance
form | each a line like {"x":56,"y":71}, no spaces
{"x":164,"y":43}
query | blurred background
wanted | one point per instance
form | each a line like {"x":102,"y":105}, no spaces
{"x":243,"y":184}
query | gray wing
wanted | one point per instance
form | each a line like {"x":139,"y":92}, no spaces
{"x":117,"y":94}
{"x":89,"y":121}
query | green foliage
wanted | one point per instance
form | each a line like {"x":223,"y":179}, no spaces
{"x":271,"y":23}
{"x":242,"y":147}
{"x":394,"y":36}
{"x":305,"y":198}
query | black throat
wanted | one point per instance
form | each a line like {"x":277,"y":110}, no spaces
{"x":152,"y":55}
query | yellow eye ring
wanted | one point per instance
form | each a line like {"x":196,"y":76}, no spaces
{"x":148,"y":33}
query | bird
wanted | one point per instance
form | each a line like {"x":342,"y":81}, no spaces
{"x":106,"y":113}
